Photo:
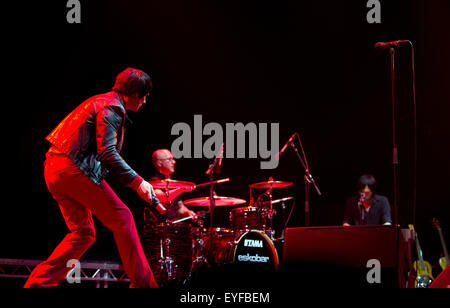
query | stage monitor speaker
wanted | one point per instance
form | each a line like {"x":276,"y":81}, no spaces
{"x":351,"y":246}
{"x":442,"y":280}
{"x":345,"y":256}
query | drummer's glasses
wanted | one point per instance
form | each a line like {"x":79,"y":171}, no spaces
{"x":168,"y":159}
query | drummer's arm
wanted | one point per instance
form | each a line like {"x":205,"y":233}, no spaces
{"x":184,"y":211}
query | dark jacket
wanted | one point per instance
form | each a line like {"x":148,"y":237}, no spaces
{"x":379,"y":212}
{"x":92,"y":136}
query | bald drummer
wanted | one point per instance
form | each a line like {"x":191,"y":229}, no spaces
{"x":164,"y":163}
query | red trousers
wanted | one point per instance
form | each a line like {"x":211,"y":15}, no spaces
{"x":78,"y":198}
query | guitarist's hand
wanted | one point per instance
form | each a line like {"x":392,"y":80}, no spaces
{"x":146,"y":192}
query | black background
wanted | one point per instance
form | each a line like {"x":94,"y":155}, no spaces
{"x":309,"y":65}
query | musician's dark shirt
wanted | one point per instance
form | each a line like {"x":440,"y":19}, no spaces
{"x":379,"y":212}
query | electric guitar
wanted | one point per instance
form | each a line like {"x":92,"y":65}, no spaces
{"x":444,"y":261}
{"x":423,"y":268}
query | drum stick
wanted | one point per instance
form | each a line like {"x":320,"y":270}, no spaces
{"x":213,"y":182}
{"x":188,"y":217}
{"x":182,"y":219}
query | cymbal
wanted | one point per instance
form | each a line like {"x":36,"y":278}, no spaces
{"x":170,"y":184}
{"x":219,"y":201}
{"x":271,"y":184}
{"x":267,"y":203}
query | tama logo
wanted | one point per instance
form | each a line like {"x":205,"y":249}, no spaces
{"x":253,"y":243}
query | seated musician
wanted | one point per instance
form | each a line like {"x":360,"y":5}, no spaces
{"x":368,"y":208}
{"x":164,"y":163}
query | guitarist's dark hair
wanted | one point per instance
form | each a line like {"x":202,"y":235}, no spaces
{"x":133,"y":82}
{"x":367,"y":180}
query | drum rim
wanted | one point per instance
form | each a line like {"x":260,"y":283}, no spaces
{"x":214,"y":229}
{"x":245,"y":209}
{"x":265,"y":236}
{"x":173,"y":226}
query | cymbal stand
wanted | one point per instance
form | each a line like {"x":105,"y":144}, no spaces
{"x":212,"y":207}
{"x":270,"y":231}
{"x":283,"y":216}
{"x":270,"y":213}
{"x":214,"y":167}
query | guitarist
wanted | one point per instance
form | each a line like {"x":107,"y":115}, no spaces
{"x":85,"y":147}
{"x":367,"y":208}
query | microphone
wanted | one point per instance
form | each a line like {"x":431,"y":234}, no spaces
{"x":277,"y":157}
{"x":384,"y":45}
{"x":361,"y":197}
{"x":219,"y":164}
{"x":218,"y":159}
{"x":159,"y":207}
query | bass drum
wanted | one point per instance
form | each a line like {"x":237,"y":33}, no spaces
{"x":253,"y":247}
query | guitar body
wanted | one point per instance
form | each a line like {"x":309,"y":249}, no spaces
{"x":443,"y":263}
{"x":424,"y":274}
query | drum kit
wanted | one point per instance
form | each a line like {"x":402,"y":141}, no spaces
{"x":177,"y":250}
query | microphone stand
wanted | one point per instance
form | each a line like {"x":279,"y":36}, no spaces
{"x":308,"y":180}
{"x":212,"y":200}
{"x":212,"y":203}
{"x":394,"y":139}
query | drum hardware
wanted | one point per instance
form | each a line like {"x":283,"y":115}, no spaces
{"x":249,"y":241}
{"x":269,"y":185}
{"x":282,"y":209}
{"x":200,"y":262}
{"x":213,"y":200}
{"x":169,"y":251}
{"x":167,"y":270}
{"x":212,"y":169}
{"x":165,"y":262}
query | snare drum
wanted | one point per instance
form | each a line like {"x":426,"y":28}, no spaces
{"x":248,"y":218}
